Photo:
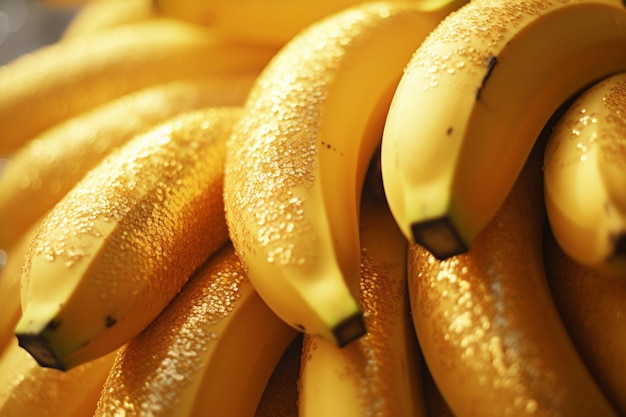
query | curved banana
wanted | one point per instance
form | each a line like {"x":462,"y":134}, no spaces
{"x":296,"y":161}
{"x":585,"y":177}
{"x":30,"y":390}
{"x":472,"y":101}
{"x":379,"y":374}
{"x":592,"y":309}
{"x":118,"y":247}
{"x":97,"y":15}
{"x":211,"y":352}
{"x":65,"y":79}
{"x":488,"y":326}
{"x":266,"y":22}
{"x":43,"y":171}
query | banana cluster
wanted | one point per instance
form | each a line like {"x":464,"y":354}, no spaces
{"x":336,"y":208}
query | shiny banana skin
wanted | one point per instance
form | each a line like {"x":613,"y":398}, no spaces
{"x":97,"y":15}
{"x":211,"y":352}
{"x":44,"y":170}
{"x":118,"y":247}
{"x":296,"y":162}
{"x":585,"y":177}
{"x":379,"y":374}
{"x":488,"y":326}
{"x":591,"y":305}
{"x":64,"y":79}
{"x":30,"y":390}
{"x":266,"y":22}
{"x":472,"y":101}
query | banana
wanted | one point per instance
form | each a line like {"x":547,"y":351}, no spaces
{"x":585,"y":176}
{"x":67,"y":78}
{"x":296,"y":161}
{"x":117,"y":248}
{"x":30,"y":390}
{"x":436,"y":405}
{"x":472,"y":101}
{"x":97,"y":15}
{"x":43,"y":171}
{"x":379,"y":374}
{"x":488,"y":325}
{"x":592,"y":308}
{"x":211,"y":352}
{"x":280,"y":397}
{"x":267,"y":22}
{"x":10,"y":277}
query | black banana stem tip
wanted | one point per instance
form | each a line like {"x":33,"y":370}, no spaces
{"x":40,"y":350}
{"x":439,"y":237}
{"x":349,"y":330}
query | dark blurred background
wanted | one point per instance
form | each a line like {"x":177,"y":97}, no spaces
{"x":26,"y":25}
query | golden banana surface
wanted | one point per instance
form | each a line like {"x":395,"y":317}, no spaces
{"x":43,"y":171}
{"x":62,"y":80}
{"x":297,"y":160}
{"x":592,"y":308}
{"x":380,"y":373}
{"x":97,"y":15}
{"x":115,"y":251}
{"x":488,"y":325}
{"x":30,"y":390}
{"x":211,"y":352}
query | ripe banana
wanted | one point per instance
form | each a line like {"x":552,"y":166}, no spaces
{"x":379,"y":374}
{"x":488,"y":326}
{"x":97,"y":15}
{"x":211,"y":352}
{"x":472,"y":101}
{"x":267,"y":22}
{"x":30,"y":390}
{"x":62,"y":80}
{"x":296,"y":161}
{"x":592,"y":308}
{"x":118,"y":247}
{"x":44,"y":170}
{"x":585,"y":177}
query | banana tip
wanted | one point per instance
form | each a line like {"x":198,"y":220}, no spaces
{"x":349,"y":329}
{"x":40,"y":350}
{"x":439,"y":237}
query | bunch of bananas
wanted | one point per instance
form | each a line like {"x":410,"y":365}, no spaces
{"x":333,"y":208}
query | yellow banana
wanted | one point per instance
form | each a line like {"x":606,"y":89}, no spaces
{"x":280,"y":397}
{"x":472,"y":101}
{"x":118,"y":247}
{"x":436,"y":405}
{"x":267,"y":22}
{"x":30,"y":390}
{"x":62,"y":80}
{"x":296,"y":161}
{"x":211,"y":352}
{"x":379,"y":374}
{"x":44,"y":170}
{"x":97,"y":15}
{"x":488,"y":326}
{"x":585,"y":177}
{"x":592,"y":308}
